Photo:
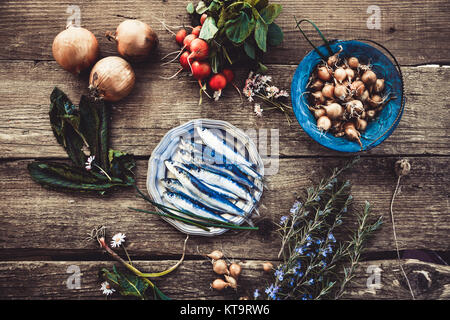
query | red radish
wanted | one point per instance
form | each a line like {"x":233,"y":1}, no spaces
{"x":179,"y":37}
{"x":196,"y":30}
{"x":218,"y":82}
{"x":199,"y":49}
{"x":185,"y":64}
{"x":200,"y":70}
{"x":229,"y":75}
{"x":188,"y":39}
{"x":203,"y":18}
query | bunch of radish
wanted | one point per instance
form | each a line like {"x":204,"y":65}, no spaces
{"x":193,"y":57}
{"x":345,"y":95}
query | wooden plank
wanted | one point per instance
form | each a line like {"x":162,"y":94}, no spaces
{"x":416,"y":31}
{"x":54,"y":223}
{"x":48,"y":280}
{"x":142,"y":119}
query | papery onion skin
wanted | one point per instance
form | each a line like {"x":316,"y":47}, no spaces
{"x":111,"y":79}
{"x":75,"y":49}
{"x":135,"y":40}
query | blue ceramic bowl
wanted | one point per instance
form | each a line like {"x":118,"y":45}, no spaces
{"x":377,"y":130}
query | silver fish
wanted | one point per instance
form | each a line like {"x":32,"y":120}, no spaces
{"x":220,"y":181}
{"x":215,"y":143}
{"x":203,"y":192}
{"x":183,"y":202}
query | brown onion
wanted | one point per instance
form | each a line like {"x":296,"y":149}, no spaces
{"x":323,"y":73}
{"x":358,"y":87}
{"x":340,"y":91}
{"x":328,"y":90}
{"x":352,"y":133}
{"x":235,"y":270}
{"x":369,"y":77}
{"x":220,"y":267}
{"x":75,"y":49}
{"x":316,"y":85}
{"x":324,"y":123}
{"x":379,"y":85}
{"x":215,"y":255}
{"x":319,"y":112}
{"x":353,"y":62}
{"x":334,"y":111}
{"x":135,"y":39}
{"x":340,"y":74}
{"x":111,"y":79}
{"x":219,"y":284}
{"x":361,"y":124}
{"x":267,"y":266}
{"x":232,"y":281}
{"x":318,"y":97}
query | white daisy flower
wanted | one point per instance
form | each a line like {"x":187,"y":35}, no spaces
{"x":117,"y":240}
{"x":88,"y":164}
{"x":106,"y":288}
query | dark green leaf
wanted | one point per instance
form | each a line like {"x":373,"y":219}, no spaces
{"x":159,"y":295}
{"x":261,"y":4}
{"x":190,"y":8}
{"x":274,"y":35}
{"x":103,"y":115}
{"x":262,"y":68}
{"x":63,"y":116}
{"x":238,"y":29}
{"x":271,"y":12}
{"x":122,"y":165}
{"x":89,"y":124}
{"x":249,"y":50}
{"x":261,"y":34}
{"x":68,"y":178}
{"x":209,"y":29}
{"x":214,"y":7}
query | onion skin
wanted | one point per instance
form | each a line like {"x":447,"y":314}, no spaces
{"x":267,"y":266}
{"x":324,"y":123}
{"x":215,"y":255}
{"x":111,"y":79}
{"x":135,"y":40}
{"x":334,"y":111}
{"x":75,"y":49}
{"x":220,"y":267}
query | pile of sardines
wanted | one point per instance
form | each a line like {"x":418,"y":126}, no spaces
{"x":206,"y":190}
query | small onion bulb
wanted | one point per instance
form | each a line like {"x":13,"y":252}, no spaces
{"x":324,"y":123}
{"x":219,"y":284}
{"x":235,"y":270}
{"x":220,"y":267}
{"x":353,"y":62}
{"x":111,"y":79}
{"x":75,"y":49}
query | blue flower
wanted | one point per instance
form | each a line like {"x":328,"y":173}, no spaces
{"x":256,"y":294}
{"x":317,"y":199}
{"x":272,"y":291}
{"x":331,"y":237}
{"x":279,"y":274}
{"x":311,"y":281}
{"x":295,"y":207}
{"x":318,"y":241}
{"x":306,"y":297}
{"x":299,"y":250}
{"x":292,"y":282}
{"x":283,"y":220}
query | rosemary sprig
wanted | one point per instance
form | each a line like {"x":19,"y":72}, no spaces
{"x":313,"y":259}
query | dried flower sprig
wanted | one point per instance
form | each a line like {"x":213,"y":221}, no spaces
{"x":259,"y":86}
{"x":135,"y":284}
{"x":312,"y":256}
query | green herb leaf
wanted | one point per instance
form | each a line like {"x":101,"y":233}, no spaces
{"x":249,"y":50}
{"x":271,"y":12}
{"x":259,"y":4}
{"x":262,"y":68}
{"x":274,"y":35}
{"x":201,"y":7}
{"x":190,"y":8}
{"x":209,"y":29}
{"x":127,"y":284}
{"x":238,"y":29}
{"x":261,"y":29}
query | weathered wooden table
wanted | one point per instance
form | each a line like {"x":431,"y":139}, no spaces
{"x":42,"y":232}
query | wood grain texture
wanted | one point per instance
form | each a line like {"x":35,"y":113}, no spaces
{"x":142,"y":119}
{"x":48,"y":280}
{"x":416,"y":31}
{"x":35,"y":218}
